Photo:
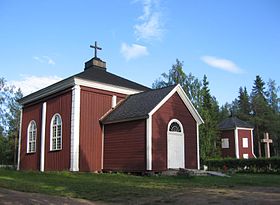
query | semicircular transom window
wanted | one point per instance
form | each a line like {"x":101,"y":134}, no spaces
{"x":175,"y":127}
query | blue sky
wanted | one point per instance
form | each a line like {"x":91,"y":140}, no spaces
{"x":230,"y":41}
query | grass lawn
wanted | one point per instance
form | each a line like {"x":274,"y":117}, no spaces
{"x":121,"y":187}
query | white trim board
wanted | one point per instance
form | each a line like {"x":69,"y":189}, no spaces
{"x":252,"y":142}
{"x":103,"y":86}
{"x":19,"y":140}
{"x":236,"y":143}
{"x":149,"y":143}
{"x":186,"y":101}
{"x":244,"y":128}
{"x":43,"y":136}
{"x":197,"y":146}
{"x":75,"y":128}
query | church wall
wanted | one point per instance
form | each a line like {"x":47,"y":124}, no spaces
{"x":94,"y":104}
{"x":174,"y":108}
{"x":245,"y":134}
{"x":228,"y":152}
{"x":125,"y":146}
{"x":30,"y":161}
{"x":59,"y":160}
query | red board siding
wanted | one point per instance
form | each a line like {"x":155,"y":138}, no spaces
{"x":59,"y":160}
{"x":125,"y":146}
{"x":245,"y":134}
{"x":94,"y":104}
{"x":30,"y":161}
{"x":228,"y":152}
{"x":174,"y":108}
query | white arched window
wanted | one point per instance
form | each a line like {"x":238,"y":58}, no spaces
{"x":31,"y":137}
{"x":56,"y":133}
{"x":175,"y":126}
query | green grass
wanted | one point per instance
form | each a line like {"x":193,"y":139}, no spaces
{"x":120,"y":187}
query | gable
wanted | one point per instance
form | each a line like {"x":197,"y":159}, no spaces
{"x":178,"y":89}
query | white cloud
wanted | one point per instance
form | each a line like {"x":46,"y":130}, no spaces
{"x":151,"y":23}
{"x":44,"y":59}
{"x":133,"y":51}
{"x":30,"y":84}
{"x":223,"y":64}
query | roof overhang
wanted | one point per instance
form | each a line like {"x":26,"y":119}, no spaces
{"x":70,"y":82}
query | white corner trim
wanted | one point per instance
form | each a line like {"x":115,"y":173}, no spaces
{"x":236,"y":139}
{"x":75,"y":128}
{"x":19,"y":140}
{"x":197,"y":144}
{"x":252,"y":142}
{"x":149,"y":143}
{"x":43,"y":136}
{"x":103,"y":86}
{"x":186,"y":101}
{"x":102,"y":148}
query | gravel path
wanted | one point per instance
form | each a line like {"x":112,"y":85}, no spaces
{"x":194,"y":196}
{"x":12,"y":197}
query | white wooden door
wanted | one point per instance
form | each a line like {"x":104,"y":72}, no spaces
{"x":175,"y":147}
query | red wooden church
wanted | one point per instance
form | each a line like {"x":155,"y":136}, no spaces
{"x":236,"y":138}
{"x":95,"y":121}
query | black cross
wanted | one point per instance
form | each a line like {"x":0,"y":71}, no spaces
{"x":95,"y":49}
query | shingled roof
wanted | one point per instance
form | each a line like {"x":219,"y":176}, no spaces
{"x":234,"y":122}
{"x":137,"y":106}
{"x":93,"y":74}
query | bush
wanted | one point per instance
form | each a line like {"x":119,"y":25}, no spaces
{"x":260,"y":165}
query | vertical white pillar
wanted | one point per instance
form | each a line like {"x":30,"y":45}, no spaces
{"x":197,"y":146}
{"x":252,"y":142}
{"x":149,"y":143}
{"x":19,"y":140}
{"x":75,"y":128}
{"x":43,"y":136}
{"x":236,"y":143}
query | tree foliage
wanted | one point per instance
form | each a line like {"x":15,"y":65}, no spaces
{"x":9,"y":122}
{"x":260,"y":107}
{"x":198,"y":92}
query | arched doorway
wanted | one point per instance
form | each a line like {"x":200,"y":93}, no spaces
{"x":175,"y":145}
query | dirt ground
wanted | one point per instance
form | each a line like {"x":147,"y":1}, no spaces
{"x":193,"y":196}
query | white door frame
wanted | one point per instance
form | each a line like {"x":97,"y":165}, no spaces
{"x":175,"y":146}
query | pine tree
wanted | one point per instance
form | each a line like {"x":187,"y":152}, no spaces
{"x":244,"y":108}
{"x":208,"y":131}
{"x":273,"y":126}
{"x":260,"y":110}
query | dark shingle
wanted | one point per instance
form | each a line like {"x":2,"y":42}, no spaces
{"x":101,"y":75}
{"x":137,"y":106}
{"x":233,"y":122}
{"x":94,"y":73}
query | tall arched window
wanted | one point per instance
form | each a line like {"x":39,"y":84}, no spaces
{"x":31,"y":137}
{"x":56,"y":133}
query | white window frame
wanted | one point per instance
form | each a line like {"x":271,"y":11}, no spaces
{"x":180,"y":125}
{"x":245,"y":156}
{"x":31,"y":140}
{"x":245,"y":142}
{"x":225,"y":143}
{"x":56,"y":137}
